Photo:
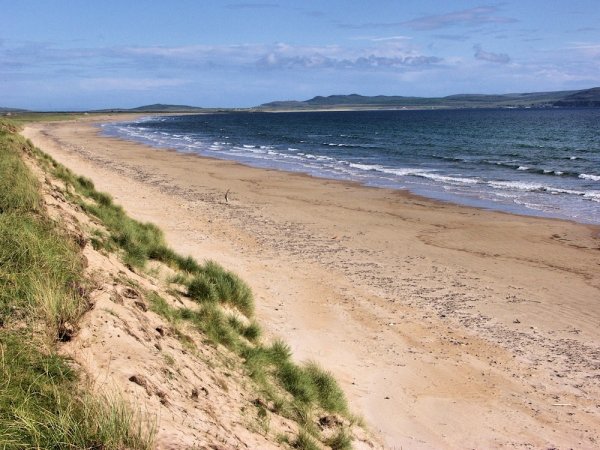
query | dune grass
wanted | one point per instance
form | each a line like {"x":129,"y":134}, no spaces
{"x":339,"y":441}
{"x":39,"y":410}
{"x":305,"y":441}
{"x":140,"y":242}
{"x":212,"y":283}
{"x":21,"y":118}
{"x":40,"y":268}
{"x":308,"y":385}
{"x":297,"y":391}
{"x":41,"y":275}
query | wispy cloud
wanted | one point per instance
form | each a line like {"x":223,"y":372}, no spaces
{"x":500,"y":58}
{"x":120,"y":64}
{"x":391,"y":38}
{"x":315,"y":13}
{"x":251,"y":5}
{"x":452,"y":37}
{"x":391,"y":52}
{"x":387,"y":54}
{"x":281,"y":61}
{"x":587,"y":49}
{"x":467,"y":17}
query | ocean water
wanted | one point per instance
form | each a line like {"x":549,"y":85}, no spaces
{"x":543,"y":162}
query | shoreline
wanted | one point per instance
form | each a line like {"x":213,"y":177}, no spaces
{"x":594,"y":228}
{"x":554,"y":197}
{"x":411,"y":302}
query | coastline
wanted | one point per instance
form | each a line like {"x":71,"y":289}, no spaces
{"x":448,"y":326}
{"x":526,"y":176}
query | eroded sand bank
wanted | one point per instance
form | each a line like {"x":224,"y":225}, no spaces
{"x":448,"y":327}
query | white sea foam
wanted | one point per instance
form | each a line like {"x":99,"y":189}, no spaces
{"x":523,"y":168}
{"x":249,"y":148}
{"x":448,"y":179}
{"x":517,"y":185}
{"x":380,"y":168}
{"x":324,"y":158}
{"x":556,"y":191}
{"x":592,"y":195}
{"x":586,"y":176}
{"x":423,"y":173}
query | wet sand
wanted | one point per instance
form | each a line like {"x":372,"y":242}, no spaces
{"x":448,"y":326}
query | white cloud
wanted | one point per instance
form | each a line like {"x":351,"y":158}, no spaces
{"x":385,"y":53}
{"x":500,"y":58}
{"x":472,"y":16}
{"x":391,"y":38}
{"x":467,"y":17}
{"x":588,"y":49}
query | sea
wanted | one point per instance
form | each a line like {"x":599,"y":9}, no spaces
{"x":540,"y":162}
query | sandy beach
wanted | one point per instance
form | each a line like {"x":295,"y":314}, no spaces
{"x":447,"y":326}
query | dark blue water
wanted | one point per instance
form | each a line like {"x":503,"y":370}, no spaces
{"x":539,"y":162}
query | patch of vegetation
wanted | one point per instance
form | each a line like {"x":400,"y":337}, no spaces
{"x":40,"y":267}
{"x":211,"y":283}
{"x":339,"y":441}
{"x":41,"y":279}
{"x":305,"y":441}
{"x":299,"y":392}
{"x":38,"y":408}
{"x":30,"y":117}
{"x":309,"y":387}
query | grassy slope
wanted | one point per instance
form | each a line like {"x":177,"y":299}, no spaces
{"x":299,"y":392}
{"x":41,"y":277}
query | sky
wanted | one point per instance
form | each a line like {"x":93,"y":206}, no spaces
{"x":80,"y":55}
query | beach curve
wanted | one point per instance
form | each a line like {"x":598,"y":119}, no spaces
{"x":447,"y":326}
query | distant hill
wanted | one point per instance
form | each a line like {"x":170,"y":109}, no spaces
{"x":156,"y":108}
{"x":159,"y":107}
{"x":11,"y":110}
{"x":589,"y":97}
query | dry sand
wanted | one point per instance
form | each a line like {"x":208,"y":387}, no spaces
{"x":448,"y":327}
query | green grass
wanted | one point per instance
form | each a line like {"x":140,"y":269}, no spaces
{"x":18,"y":187}
{"x":40,"y":267}
{"x":39,"y":410}
{"x":213,"y":284}
{"x":297,"y":391}
{"x":339,"y":441}
{"x":140,"y":242}
{"x":22,"y":118}
{"x":328,"y":393}
{"x":305,"y":441}
{"x":41,"y":278}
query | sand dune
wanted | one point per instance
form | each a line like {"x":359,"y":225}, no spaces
{"x":448,"y":327}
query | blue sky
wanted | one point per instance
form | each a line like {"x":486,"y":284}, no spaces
{"x":76,"y":54}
